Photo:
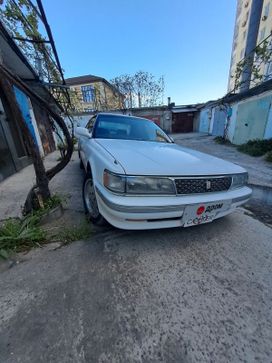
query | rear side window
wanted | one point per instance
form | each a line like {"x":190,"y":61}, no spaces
{"x":90,"y":123}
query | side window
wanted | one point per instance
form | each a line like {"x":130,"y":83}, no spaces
{"x":90,"y":123}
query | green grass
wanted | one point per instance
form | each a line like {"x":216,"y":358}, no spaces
{"x":256,"y":147}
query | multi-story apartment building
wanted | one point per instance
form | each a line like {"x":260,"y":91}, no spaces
{"x":253,"y":24}
{"x":92,"y":93}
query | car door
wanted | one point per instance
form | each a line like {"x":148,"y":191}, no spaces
{"x":84,"y":151}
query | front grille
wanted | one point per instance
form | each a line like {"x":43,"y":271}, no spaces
{"x":205,"y":185}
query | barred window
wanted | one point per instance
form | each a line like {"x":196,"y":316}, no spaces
{"x":87,"y":93}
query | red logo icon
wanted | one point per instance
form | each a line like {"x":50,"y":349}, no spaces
{"x":200,"y":210}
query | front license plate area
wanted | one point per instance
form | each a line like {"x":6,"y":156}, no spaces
{"x":202,"y":213}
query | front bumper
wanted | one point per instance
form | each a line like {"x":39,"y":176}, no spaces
{"x":152,"y":212}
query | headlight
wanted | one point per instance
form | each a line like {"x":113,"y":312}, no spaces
{"x":137,"y":184}
{"x":149,"y":185}
{"x":115,"y":183}
{"x":239,"y":180}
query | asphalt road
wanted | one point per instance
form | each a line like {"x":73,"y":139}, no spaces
{"x":201,"y":294}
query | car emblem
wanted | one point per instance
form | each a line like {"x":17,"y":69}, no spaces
{"x":208,"y":184}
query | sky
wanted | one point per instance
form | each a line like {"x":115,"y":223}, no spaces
{"x":187,"y":41}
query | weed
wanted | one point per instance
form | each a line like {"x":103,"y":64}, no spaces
{"x":51,"y":203}
{"x":74,"y":233}
{"x":256,"y":147}
{"x":222,"y":140}
{"x":54,"y":201}
{"x":17,"y":235}
{"x":268,"y":156}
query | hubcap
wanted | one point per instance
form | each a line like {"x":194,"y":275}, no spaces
{"x":90,"y":199}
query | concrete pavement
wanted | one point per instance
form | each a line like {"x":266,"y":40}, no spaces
{"x":201,"y":294}
{"x":68,"y":183}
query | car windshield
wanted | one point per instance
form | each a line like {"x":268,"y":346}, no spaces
{"x":128,"y":128}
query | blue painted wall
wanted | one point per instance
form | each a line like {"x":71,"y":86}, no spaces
{"x":24,"y":107}
{"x":268,"y":129}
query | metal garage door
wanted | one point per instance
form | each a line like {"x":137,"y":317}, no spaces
{"x":182,"y":122}
{"x":251,"y":120}
{"x":219,"y":122}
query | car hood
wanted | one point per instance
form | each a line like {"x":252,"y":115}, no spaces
{"x":156,"y":158}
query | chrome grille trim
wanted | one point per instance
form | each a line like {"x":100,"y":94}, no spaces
{"x":198,"y":185}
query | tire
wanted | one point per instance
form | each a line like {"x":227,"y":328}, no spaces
{"x":90,"y":202}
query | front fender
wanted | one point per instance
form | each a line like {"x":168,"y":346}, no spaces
{"x":100,"y":159}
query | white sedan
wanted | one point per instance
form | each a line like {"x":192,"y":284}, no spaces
{"x":138,"y":178}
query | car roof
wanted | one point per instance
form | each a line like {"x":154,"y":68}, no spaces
{"x":119,"y":115}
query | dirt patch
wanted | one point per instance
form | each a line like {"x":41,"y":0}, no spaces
{"x":260,"y":211}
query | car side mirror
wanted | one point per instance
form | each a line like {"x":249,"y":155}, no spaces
{"x":82,"y":131}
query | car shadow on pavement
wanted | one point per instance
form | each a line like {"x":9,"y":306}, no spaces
{"x":116,"y":238}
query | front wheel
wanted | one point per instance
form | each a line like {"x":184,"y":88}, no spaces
{"x":90,"y":202}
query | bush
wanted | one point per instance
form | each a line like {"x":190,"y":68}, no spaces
{"x":256,"y":147}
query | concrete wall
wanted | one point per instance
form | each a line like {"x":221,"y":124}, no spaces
{"x":196,"y":121}
{"x":163,"y":118}
{"x":79,"y":120}
{"x":232,"y":122}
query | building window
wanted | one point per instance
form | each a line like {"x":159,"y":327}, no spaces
{"x":262,"y":33}
{"x":244,"y":35}
{"x":87,"y":93}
